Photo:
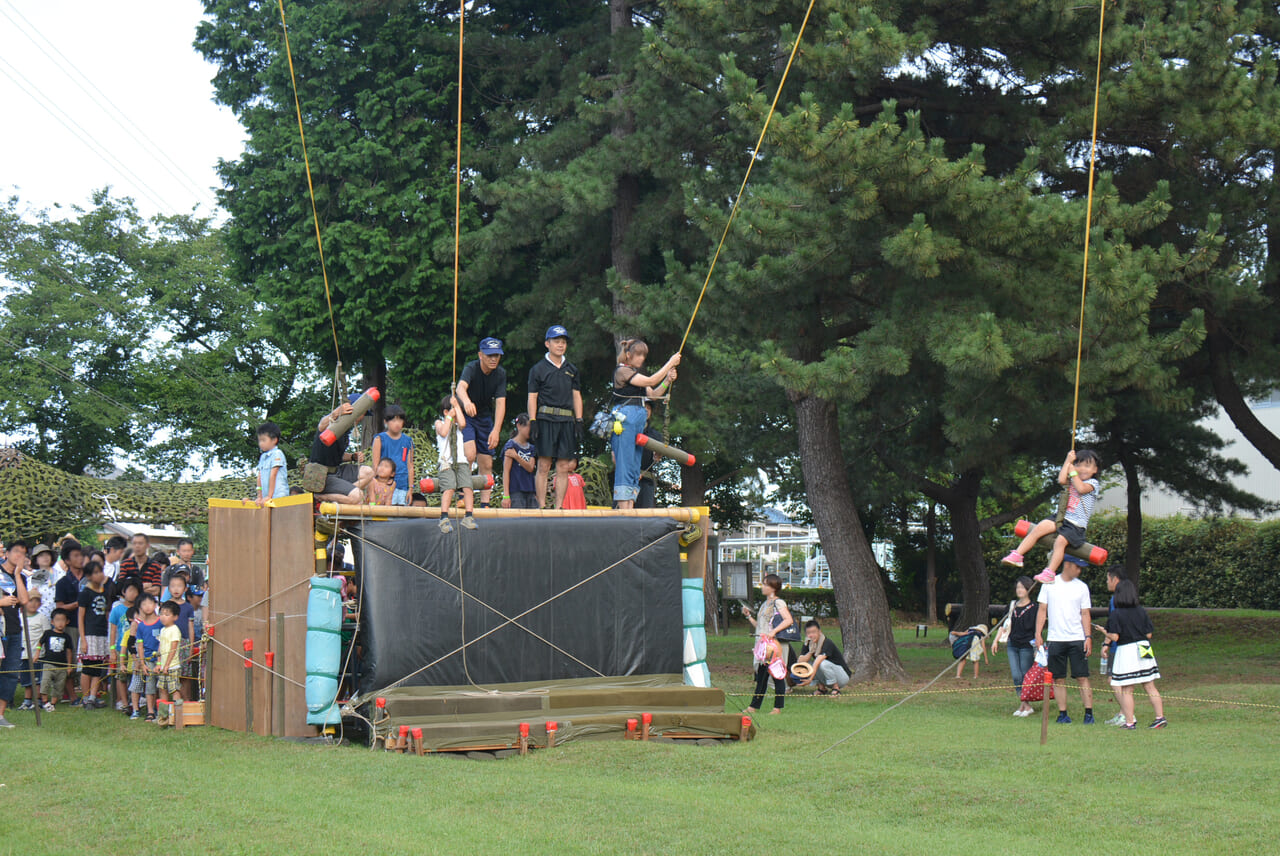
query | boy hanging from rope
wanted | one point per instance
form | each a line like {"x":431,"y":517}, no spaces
{"x":1077,"y":473}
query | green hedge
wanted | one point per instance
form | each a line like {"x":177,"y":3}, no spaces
{"x":820,"y":602}
{"x":1210,"y":563}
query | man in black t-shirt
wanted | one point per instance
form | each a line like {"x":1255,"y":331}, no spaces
{"x":482,"y":392}
{"x":555,"y":413}
{"x":830,"y":672}
{"x":347,"y":478}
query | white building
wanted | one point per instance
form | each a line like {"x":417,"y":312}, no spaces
{"x":1262,"y":479}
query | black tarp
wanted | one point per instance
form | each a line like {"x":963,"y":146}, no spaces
{"x":626,"y":621}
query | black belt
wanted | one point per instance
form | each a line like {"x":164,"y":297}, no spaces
{"x":555,"y":411}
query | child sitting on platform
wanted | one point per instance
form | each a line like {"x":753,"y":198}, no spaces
{"x":455,"y":470}
{"x":382,"y":488}
{"x":1077,"y":472}
{"x":398,"y":446}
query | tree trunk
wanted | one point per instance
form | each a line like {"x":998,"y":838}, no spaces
{"x":1228,"y":393}
{"x":855,"y":577}
{"x":627,"y":195}
{"x":931,"y":563}
{"x":966,"y":538}
{"x":375,"y":374}
{"x":1133,"y":521}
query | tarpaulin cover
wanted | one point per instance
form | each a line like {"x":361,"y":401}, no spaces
{"x":626,"y":621}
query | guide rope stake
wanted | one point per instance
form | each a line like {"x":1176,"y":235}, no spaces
{"x":646,"y":721}
{"x":1044,"y":708}
{"x":523,"y":742}
{"x":552,"y":727}
{"x":248,"y":686}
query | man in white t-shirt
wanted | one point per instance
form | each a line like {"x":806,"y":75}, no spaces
{"x":1065,"y":604}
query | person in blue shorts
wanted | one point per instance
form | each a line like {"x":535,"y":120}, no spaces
{"x":482,"y":392}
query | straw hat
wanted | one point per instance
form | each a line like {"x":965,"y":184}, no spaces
{"x":802,"y":671}
{"x":37,"y":550}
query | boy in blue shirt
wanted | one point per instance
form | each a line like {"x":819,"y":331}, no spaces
{"x":273,"y":471}
{"x":398,"y":446}
{"x":146,"y":631}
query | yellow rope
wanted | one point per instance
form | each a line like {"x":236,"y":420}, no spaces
{"x":457,"y":199}
{"x":311,"y":191}
{"x":1088,"y":221}
{"x":733,"y":212}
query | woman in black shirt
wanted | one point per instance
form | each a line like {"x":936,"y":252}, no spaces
{"x":1019,"y":627}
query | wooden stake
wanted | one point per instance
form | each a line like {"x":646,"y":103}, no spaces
{"x":1044,"y":713}
{"x":178,"y":714}
{"x":279,"y":685}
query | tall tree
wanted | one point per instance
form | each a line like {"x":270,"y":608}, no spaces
{"x":131,"y":340}
{"x":377,"y":87}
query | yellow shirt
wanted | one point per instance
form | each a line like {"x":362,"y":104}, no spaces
{"x":170,"y":640}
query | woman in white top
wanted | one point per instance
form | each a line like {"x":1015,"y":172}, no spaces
{"x":765,"y":627}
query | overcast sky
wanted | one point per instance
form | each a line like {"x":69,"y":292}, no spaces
{"x":100,"y":93}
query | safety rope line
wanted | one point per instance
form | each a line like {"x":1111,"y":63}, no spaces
{"x":882,"y":713}
{"x":512,"y":620}
{"x":457,"y":199}
{"x":255,"y":664}
{"x":733,"y":212}
{"x":311,"y":191}
{"x":267,"y":599}
{"x":1088,"y":222}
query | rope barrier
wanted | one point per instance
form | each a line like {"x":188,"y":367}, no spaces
{"x":1088,"y":222}
{"x":733,"y":212}
{"x":311,"y":191}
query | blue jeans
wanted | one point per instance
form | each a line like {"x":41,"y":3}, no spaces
{"x":1021,"y":658}
{"x":9,"y":665}
{"x":626,"y":454}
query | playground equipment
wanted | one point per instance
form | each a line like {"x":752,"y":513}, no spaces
{"x":1087,"y":552}
{"x":659,"y":448}
{"x":347,"y":421}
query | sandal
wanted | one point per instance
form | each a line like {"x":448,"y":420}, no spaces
{"x":835,"y":691}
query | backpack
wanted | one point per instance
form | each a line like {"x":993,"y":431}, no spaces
{"x":960,"y":647}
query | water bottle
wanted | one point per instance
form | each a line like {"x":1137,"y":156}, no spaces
{"x":1106,"y":659}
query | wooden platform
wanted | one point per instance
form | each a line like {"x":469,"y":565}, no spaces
{"x":461,"y":719}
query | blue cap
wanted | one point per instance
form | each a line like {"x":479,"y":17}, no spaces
{"x":195,"y":592}
{"x":353,"y":397}
{"x":556,"y":331}
{"x":491,"y":346}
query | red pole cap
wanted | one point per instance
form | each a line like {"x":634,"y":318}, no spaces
{"x":631,"y":725}
{"x":373,"y":393}
{"x":270,"y":657}
{"x":1021,"y":528}
{"x":428,"y":485}
{"x":248,"y":645}
{"x":248,"y":664}
{"x":404,"y":731}
{"x":551,"y":726}
{"x":328,"y":437}
{"x":488,"y":480}
{"x":646,"y":718}
{"x":1097,"y":556}
{"x":208,"y":628}
{"x":1048,"y":678}
{"x":417,"y":733}
{"x":746,"y":723}
{"x":524,"y":729}
{"x":380,"y":702}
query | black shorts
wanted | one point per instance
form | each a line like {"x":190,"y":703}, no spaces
{"x":1073,"y":533}
{"x":1063,"y":653}
{"x":524,"y":499}
{"x":477,"y":431}
{"x":556,"y":440}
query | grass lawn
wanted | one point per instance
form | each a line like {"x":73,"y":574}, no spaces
{"x":946,"y":773}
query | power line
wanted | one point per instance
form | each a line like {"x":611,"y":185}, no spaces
{"x":78,"y":131}
{"x":140,"y":137}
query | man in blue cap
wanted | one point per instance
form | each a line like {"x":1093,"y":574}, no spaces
{"x":482,"y":392}
{"x":555,"y":413}
{"x":347,"y":479}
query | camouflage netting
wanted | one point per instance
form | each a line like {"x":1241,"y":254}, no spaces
{"x":36,"y":499}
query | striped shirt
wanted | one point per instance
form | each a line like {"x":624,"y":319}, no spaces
{"x":1080,"y":507}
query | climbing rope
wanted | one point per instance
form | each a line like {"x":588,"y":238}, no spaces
{"x":311,"y":191}
{"x":1088,"y":222}
{"x":457,"y":199}
{"x":755,"y":154}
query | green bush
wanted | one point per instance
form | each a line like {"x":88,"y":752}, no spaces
{"x":1209,"y":563}
{"x":818,"y":602}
